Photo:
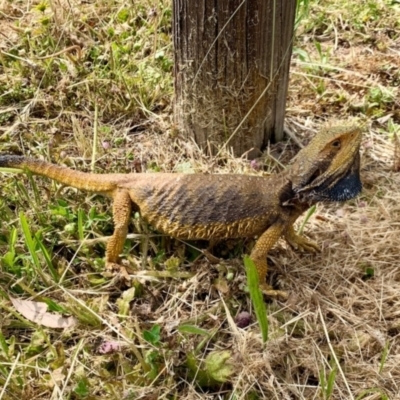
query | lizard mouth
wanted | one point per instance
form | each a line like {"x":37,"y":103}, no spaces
{"x":317,"y":173}
{"x":335,"y":188}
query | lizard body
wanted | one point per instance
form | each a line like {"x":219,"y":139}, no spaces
{"x":212,"y":206}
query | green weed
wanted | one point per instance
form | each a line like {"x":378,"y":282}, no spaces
{"x":256,"y":297}
{"x":327,"y":381}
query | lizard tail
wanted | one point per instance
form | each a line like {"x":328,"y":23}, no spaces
{"x":67,"y":176}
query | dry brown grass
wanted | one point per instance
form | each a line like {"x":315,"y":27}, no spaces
{"x":342,"y":314}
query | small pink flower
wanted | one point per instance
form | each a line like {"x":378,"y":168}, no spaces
{"x":109,"y":347}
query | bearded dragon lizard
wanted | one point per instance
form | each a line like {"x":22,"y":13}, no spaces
{"x":212,"y":206}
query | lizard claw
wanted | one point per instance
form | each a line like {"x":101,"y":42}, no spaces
{"x":117,"y":269}
{"x":269,"y":292}
{"x":301,"y":243}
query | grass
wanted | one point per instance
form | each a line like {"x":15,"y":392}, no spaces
{"x":89,"y":85}
{"x":256,"y":297}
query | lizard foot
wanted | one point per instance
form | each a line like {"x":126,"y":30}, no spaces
{"x":301,"y":243}
{"x":210,"y":257}
{"x":270,"y":292}
{"x":113,"y":268}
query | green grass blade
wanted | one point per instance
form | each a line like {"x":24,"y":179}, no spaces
{"x":36,"y":194}
{"x":330,"y":383}
{"x":256,"y":297}
{"x":310,"y":212}
{"x":47,"y":258}
{"x":368,"y":392}
{"x":80,"y":225}
{"x":385,"y":354}
{"x":29,"y":240}
{"x":322,"y":380}
{"x":30,"y":243}
{"x":4,"y":347}
{"x":34,"y":201}
{"x":193,"y":329}
{"x":13,"y":238}
{"x":12,"y":170}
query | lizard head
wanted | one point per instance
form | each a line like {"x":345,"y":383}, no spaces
{"x":328,"y":169}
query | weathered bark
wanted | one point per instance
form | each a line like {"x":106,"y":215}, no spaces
{"x":231,"y":70}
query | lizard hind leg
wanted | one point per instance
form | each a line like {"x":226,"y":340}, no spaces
{"x":122,"y":208}
{"x":259,"y":256}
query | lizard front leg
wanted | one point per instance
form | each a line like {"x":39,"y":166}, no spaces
{"x":299,"y":242}
{"x":259,"y":256}
{"x":122,"y":207}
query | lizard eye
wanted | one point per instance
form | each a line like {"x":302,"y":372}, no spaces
{"x":336,"y":144}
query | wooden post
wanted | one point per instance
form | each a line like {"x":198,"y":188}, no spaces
{"x":231,"y":71}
